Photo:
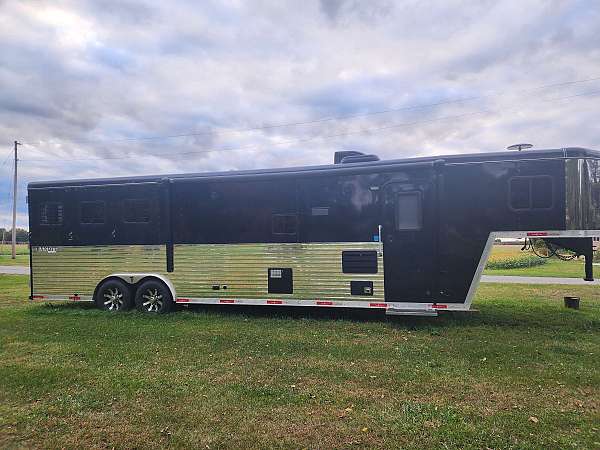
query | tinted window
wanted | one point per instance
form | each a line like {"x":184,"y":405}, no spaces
{"x":136,"y":210}
{"x":531,"y":192}
{"x":51,"y":213}
{"x":519,"y":193}
{"x":92,"y":212}
{"x":285,"y":223}
{"x":408,"y":211}
{"x":541,"y":192}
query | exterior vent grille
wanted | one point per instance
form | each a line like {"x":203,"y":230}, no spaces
{"x":358,"y":261}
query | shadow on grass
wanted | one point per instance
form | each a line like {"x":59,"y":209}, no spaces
{"x":505,"y":315}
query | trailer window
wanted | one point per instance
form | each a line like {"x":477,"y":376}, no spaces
{"x":530,"y":192}
{"x":136,"y":210}
{"x":409,"y":212}
{"x":541,"y":193}
{"x":92,"y":212}
{"x":285,"y":224}
{"x":51,"y":213}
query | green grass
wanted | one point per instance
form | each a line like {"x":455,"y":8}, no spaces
{"x":22,"y":258}
{"x":73,"y":376}
{"x":553,"y":267}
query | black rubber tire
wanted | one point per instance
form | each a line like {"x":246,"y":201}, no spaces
{"x":153,"y":297}
{"x":114,"y":296}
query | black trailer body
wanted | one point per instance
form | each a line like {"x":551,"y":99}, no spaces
{"x":408,"y":236}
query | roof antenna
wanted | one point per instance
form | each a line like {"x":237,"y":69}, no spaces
{"x":519,"y":147}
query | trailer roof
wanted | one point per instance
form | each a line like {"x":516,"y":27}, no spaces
{"x":468,"y":158}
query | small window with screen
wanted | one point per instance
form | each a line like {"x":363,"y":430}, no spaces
{"x":51,"y":213}
{"x":527,"y":193}
{"x":285,"y":224}
{"x":409,"y":214}
{"x":136,"y":210}
{"x":92,"y":212}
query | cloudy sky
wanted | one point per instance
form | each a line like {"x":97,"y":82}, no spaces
{"x":93,"y":88}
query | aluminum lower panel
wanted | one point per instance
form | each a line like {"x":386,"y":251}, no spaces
{"x":317,"y":269}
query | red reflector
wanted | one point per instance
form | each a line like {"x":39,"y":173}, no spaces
{"x":74,"y":297}
{"x":38,"y":296}
{"x":439,"y":306}
{"x":183,"y":300}
{"x":274,"y":302}
{"x":226,"y":301}
{"x":378,"y":305}
{"x":320,"y":303}
{"x":537,"y":233}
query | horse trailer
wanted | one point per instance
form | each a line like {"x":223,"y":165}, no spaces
{"x":408,"y":236}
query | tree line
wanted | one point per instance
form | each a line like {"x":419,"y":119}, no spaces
{"x":6,"y":235}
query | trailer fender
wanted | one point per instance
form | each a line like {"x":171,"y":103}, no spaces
{"x":136,"y":278}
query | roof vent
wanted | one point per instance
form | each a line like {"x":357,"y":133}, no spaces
{"x":339,"y":156}
{"x":352,"y":156}
{"x":519,"y":147}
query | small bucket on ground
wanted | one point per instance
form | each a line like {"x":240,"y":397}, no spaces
{"x":572,"y":302}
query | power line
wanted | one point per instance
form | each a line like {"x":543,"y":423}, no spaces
{"x":6,"y":159}
{"x":312,"y":138}
{"x":327,"y":119}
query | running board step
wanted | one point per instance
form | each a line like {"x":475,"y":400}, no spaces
{"x":410,"y":312}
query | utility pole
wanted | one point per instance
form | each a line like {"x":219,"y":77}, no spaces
{"x":14,"y":224}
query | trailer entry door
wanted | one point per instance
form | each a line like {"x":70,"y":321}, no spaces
{"x":408,"y":240}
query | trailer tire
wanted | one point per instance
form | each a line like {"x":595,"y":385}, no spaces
{"x":114,"y":296}
{"x":153,"y":296}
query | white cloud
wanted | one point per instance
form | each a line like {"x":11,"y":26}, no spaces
{"x":75,"y":72}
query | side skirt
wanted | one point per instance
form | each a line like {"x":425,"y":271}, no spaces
{"x":391,"y":308}
{"x":56,"y":298}
{"x":395,"y":309}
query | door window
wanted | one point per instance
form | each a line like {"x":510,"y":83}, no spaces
{"x":409,"y":214}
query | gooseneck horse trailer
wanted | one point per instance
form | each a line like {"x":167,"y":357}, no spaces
{"x":408,"y":236}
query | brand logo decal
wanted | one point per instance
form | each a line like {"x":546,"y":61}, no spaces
{"x":46,"y":249}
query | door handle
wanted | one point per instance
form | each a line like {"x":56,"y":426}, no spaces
{"x":380,"y":251}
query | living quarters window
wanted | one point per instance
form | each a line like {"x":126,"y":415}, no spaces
{"x":285,"y":223}
{"x":136,"y":210}
{"x":92,"y":212}
{"x":409,"y":213}
{"x":530,"y":192}
{"x":51,"y":213}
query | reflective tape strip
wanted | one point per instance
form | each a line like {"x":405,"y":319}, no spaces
{"x":183,"y":300}
{"x":323,"y":303}
{"x":434,"y":306}
{"x":74,"y":297}
{"x":34,"y":297}
{"x":274,"y":302}
{"x":223,"y":300}
{"x":378,"y":305}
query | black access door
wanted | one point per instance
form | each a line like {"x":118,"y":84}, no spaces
{"x":409,"y":246}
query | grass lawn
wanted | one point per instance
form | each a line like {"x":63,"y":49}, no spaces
{"x":553,"y":267}
{"x":22,"y":258}
{"x":522,"y":373}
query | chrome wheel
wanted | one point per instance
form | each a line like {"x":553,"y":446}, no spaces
{"x":113,"y":299}
{"x":153,"y":300}
{"x":154,"y":297}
